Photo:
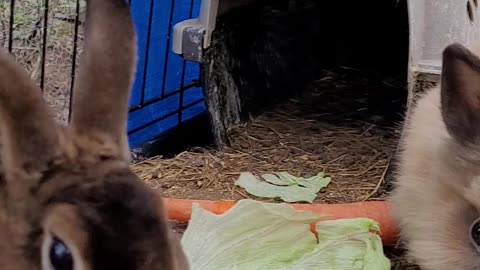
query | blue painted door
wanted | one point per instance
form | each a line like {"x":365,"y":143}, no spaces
{"x":166,"y":91}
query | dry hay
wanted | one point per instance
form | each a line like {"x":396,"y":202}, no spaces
{"x":298,"y":137}
{"x":355,"y":159}
{"x":347,"y":137}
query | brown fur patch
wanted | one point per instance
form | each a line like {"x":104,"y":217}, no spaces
{"x":122,"y":222}
{"x":75,"y":182}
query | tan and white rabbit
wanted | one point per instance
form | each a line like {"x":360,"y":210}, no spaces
{"x":436,"y":198}
{"x":68,"y":200}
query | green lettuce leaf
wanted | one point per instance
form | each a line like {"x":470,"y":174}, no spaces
{"x":284,"y":186}
{"x":264,"y":236}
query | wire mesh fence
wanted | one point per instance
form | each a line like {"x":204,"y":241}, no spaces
{"x":46,"y":37}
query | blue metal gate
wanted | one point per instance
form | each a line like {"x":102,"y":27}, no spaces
{"x":166,"y":91}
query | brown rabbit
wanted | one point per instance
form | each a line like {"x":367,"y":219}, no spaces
{"x":436,"y":200}
{"x":68,"y":200}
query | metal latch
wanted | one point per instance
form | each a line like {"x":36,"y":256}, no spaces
{"x":191,"y":37}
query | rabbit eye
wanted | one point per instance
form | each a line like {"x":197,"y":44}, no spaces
{"x":475,"y":232}
{"x":60,"y":256}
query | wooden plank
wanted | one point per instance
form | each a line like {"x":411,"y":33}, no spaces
{"x":140,"y":10}
{"x":193,"y":111}
{"x":149,"y":133}
{"x":192,"y":95}
{"x":153,"y":111}
{"x":159,"y":60}
{"x":158,"y":48}
{"x":173,"y":80}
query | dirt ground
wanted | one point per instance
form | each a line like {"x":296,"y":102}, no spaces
{"x":345,"y":125}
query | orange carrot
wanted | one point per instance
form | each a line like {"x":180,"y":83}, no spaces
{"x":180,"y":210}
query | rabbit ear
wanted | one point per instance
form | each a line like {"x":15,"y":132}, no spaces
{"x":29,"y":135}
{"x":106,"y":73}
{"x":460,"y":94}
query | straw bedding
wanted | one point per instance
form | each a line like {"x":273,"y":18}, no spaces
{"x":337,"y":128}
{"x":346,"y":126}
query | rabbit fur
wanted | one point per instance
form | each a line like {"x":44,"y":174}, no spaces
{"x":436,"y":196}
{"x":68,"y":192}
